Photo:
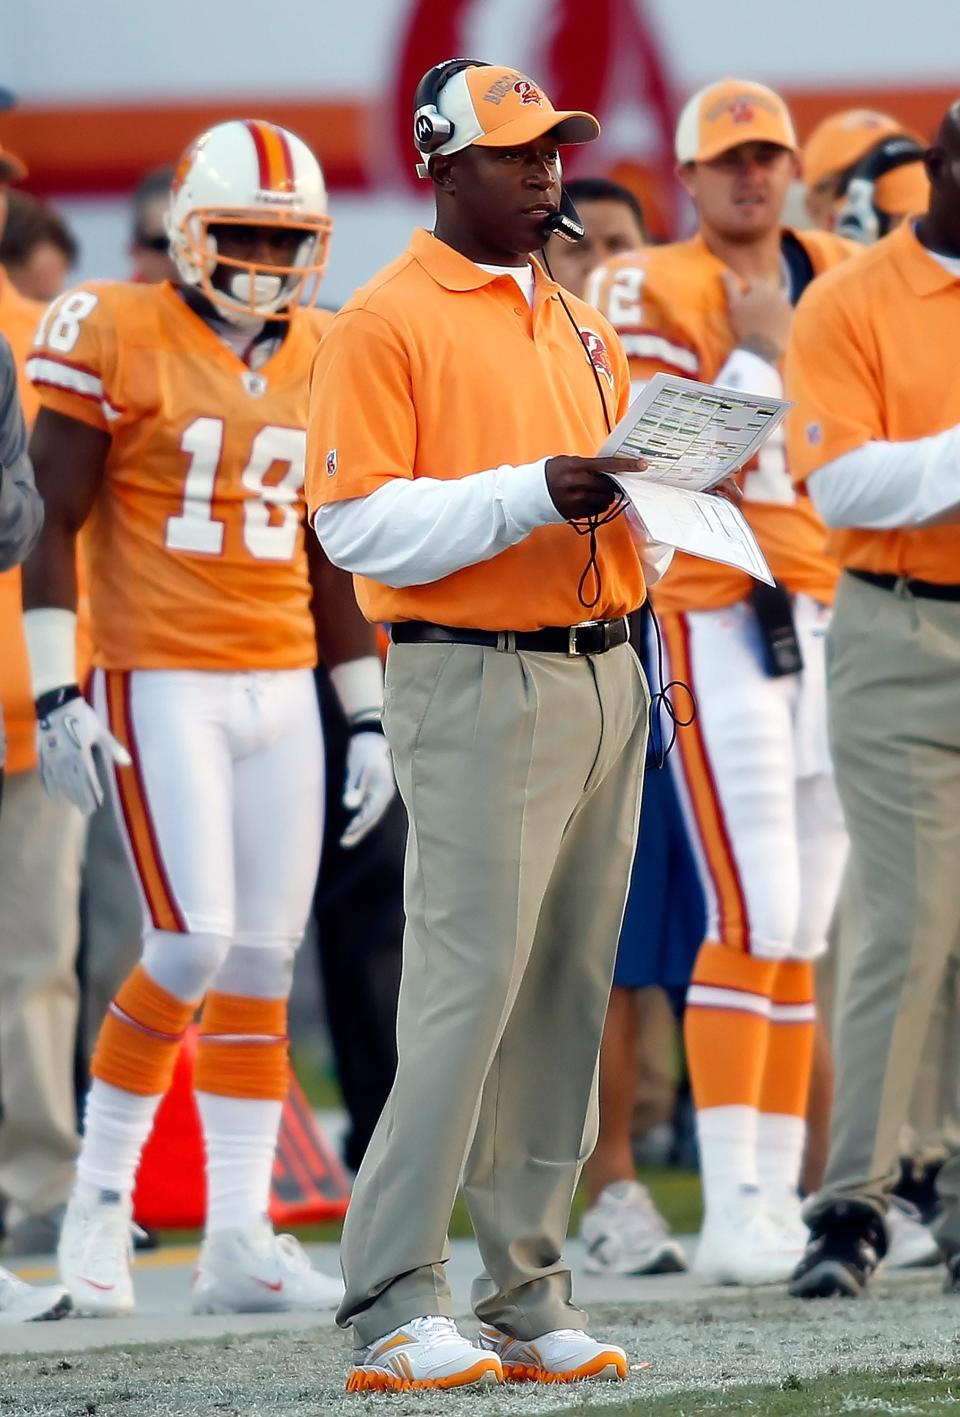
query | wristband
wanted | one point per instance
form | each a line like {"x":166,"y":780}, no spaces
{"x":51,"y":635}
{"x":359,"y":686}
{"x":55,"y":698}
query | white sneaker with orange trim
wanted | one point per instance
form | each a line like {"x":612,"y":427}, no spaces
{"x":565,"y":1355}
{"x":95,"y":1254}
{"x":428,"y":1352}
{"x":257,"y":1272}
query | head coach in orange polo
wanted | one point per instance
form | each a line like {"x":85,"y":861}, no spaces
{"x":456,"y":407}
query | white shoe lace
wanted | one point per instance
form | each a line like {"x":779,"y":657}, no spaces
{"x":292,"y":1254}
{"x":435,"y":1330}
{"x":636,"y":1216}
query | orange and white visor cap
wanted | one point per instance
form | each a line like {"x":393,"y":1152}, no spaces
{"x":724,"y":115}
{"x":501,"y":108}
{"x":843,"y":139}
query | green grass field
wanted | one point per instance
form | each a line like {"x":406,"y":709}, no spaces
{"x":922,"y":1388}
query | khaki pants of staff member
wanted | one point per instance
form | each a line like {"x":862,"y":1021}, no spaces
{"x":894,"y":695}
{"x":521,"y":775}
{"x":41,"y":845}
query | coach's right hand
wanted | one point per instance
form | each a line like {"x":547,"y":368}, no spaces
{"x":579,"y":487}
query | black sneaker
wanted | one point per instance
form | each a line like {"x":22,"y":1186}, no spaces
{"x":847,"y":1243}
{"x":918,"y":1185}
{"x":951,"y":1285}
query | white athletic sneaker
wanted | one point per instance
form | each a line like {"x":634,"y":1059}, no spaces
{"x":739,"y":1244}
{"x":255,"y":1271}
{"x":624,"y":1233}
{"x":565,"y":1355}
{"x":95,"y":1254}
{"x":427,"y":1352}
{"x":785,"y":1213}
{"x":912,"y":1246}
{"x":22,"y":1303}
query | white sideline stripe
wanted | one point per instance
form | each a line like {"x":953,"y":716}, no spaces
{"x":708,"y":996}
{"x":656,"y":347}
{"x":63,"y":376}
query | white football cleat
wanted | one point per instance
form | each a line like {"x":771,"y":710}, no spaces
{"x":95,"y":1254}
{"x":912,"y":1246}
{"x":255,"y":1272}
{"x":22,"y":1303}
{"x":565,"y":1355}
{"x":427,"y":1352}
{"x":624,"y":1233}
{"x":739,"y":1244}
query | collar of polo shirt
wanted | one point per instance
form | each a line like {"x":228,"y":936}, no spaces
{"x":455,"y":272}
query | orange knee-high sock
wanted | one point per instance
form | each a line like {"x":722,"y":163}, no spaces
{"x":726,"y":1028}
{"x":786,"y":1077}
{"x":241,"y":1081}
{"x":243,"y":1047}
{"x":141,"y":1036}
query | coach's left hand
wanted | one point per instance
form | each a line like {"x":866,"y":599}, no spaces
{"x":369,"y":785}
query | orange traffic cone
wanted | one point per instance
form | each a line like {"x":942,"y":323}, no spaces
{"x":308,"y":1185}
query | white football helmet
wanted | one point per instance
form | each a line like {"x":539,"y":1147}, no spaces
{"x":249,"y":172}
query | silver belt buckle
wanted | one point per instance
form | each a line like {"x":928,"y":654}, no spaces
{"x":572,"y":651}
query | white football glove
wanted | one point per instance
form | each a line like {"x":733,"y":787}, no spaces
{"x":369,"y":783}
{"x":68,"y":730}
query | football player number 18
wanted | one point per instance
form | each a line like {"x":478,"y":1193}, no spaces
{"x":271,"y":516}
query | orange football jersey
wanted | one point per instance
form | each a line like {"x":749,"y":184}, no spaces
{"x":669,"y":306}
{"x":195,"y":545}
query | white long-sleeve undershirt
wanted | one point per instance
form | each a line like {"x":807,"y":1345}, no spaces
{"x":883,"y":486}
{"x":416,"y":531}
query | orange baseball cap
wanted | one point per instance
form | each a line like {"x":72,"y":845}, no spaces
{"x":492,"y":107}
{"x":844,"y":138}
{"x":733,"y":111}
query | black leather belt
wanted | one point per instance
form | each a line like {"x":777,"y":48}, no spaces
{"x":926,"y":590}
{"x":592,"y":637}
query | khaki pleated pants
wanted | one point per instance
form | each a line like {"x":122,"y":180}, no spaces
{"x":521,"y":774}
{"x":894,"y":696}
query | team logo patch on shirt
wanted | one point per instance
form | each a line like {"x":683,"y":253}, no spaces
{"x":597,"y":354}
{"x":332,"y":463}
{"x":814,"y":434}
{"x":255,"y":384}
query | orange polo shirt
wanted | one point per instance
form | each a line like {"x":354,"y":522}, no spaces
{"x":872,"y":358}
{"x":439,"y":369}
{"x":669,"y":306}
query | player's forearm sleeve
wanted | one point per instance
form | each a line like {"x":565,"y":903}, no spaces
{"x":414,"y":532}
{"x":21,"y":513}
{"x":884,"y":485}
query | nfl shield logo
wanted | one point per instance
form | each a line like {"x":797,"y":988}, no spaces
{"x":814,"y":434}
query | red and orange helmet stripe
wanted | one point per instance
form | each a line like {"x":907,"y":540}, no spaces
{"x":274,"y":157}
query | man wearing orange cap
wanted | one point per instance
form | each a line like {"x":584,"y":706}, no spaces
{"x":863,"y":173}
{"x":457,"y":404}
{"x":753,"y":771}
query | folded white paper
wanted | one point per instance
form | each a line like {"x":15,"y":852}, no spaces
{"x":694,"y":436}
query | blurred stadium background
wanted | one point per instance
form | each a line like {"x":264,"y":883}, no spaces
{"x":109,"y":90}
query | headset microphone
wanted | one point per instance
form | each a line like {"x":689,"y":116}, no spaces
{"x":566,"y":222}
